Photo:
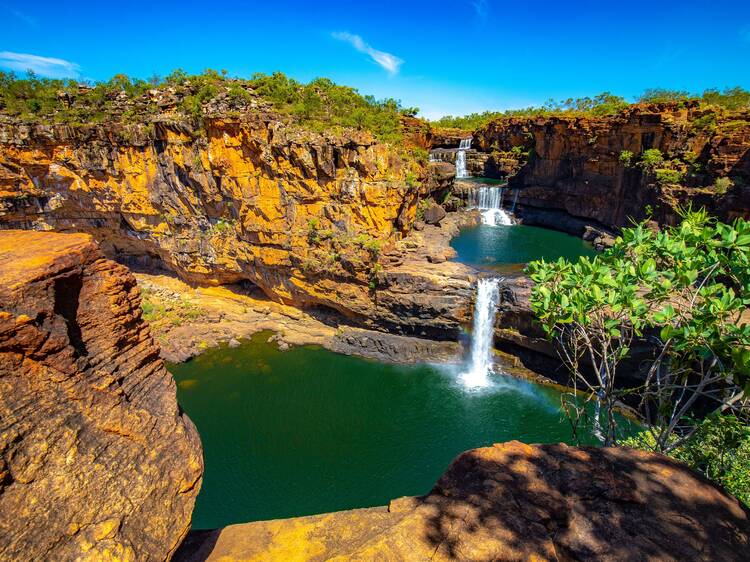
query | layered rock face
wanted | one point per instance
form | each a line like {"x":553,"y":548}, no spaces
{"x":96,"y":460}
{"x":301,"y":215}
{"x":513,"y":502}
{"x":578,"y":167}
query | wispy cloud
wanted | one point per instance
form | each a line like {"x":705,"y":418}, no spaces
{"x":480,"y":7}
{"x":27,"y":19}
{"x":44,"y":66}
{"x":389,"y":62}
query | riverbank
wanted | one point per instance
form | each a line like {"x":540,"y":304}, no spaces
{"x":188,"y":320}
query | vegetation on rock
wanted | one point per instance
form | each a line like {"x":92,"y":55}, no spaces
{"x":731,"y":99}
{"x":719,"y":449}
{"x":318,"y":105}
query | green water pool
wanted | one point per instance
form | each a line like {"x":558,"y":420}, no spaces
{"x":509,"y":248}
{"x":308,"y":431}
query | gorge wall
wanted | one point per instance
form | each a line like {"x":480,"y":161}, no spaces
{"x":577,"y":170}
{"x":97,"y":462}
{"x":304,"y":216}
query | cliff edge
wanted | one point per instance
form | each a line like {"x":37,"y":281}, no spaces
{"x":96,"y":460}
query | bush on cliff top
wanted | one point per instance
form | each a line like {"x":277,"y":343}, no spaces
{"x":320,"y":104}
{"x":317,"y":105}
{"x":732,"y":99}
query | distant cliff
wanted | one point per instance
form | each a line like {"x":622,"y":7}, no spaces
{"x":97,"y":462}
{"x":645,"y":161}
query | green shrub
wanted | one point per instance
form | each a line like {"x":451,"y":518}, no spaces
{"x":731,"y":98}
{"x":668,"y":176}
{"x":722,"y":185}
{"x":705,"y":123}
{"x":651,"y":158}
{"x":719,"y":449}
{"x":661,"y":95}
{"x":626,"y":158}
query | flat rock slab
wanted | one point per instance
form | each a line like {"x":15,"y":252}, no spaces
{"x":514,"y":501}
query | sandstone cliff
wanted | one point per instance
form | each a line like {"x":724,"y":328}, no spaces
{"x":96,"y":460}
{"x":588,"y":168}
{"x":304,"y":216}
{"x":515,"y":502}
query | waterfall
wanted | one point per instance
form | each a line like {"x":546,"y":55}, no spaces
{"x":515,"y":200}
{"x":489,"y":201}
{"x":480,"y":365}
{"x":461,"y":158}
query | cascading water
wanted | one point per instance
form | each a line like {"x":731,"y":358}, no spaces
{"x":480,"y":364}
{"x":461,"y":172}
{"x":489,"y":201}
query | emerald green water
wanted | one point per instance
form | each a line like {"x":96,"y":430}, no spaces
{"x":308,"y":431}
{"x":509,"y":248}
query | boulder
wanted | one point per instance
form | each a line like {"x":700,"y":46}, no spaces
{"x":97,"y":462}
{"x":434,"y":214}
{"x":516,"y":502}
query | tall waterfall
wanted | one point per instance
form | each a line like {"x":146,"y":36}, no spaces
{"x":461,"y":158}
{"x":489,"y":201}
{"x":480,"y":365}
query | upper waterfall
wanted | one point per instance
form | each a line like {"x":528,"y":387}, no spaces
{"x":463,"y":146}
{"x":489,"y":201}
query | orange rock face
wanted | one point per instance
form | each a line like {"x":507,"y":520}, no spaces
{"x":96,"y":460}
{"x":303,"y":216}
{"x":515,"y":502}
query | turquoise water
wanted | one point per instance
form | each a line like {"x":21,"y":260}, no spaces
{"x":509,"y":248}
{"x":308,"y":431}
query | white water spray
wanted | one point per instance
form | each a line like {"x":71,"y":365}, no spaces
{"x":461,"y":159}
{"x":480,"y":365}
{"x":489,"y":201}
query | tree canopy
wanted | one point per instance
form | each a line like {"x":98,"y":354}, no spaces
{"x":683,"y":292}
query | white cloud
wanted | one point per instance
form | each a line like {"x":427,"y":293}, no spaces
{"x":44,"y":66}
{"x":389,"y":62}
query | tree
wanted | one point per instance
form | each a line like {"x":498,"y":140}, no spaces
{"x":683,"y":292}
{"x":660,"y":95}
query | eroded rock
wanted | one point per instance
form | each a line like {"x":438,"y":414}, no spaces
{"x":514,"y":502}
{"x":96,"y":460}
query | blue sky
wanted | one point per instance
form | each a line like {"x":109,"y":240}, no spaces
{"x":444,"y":57}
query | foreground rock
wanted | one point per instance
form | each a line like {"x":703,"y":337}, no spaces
{"x":96,"y":460}
{"x":514,"y":501}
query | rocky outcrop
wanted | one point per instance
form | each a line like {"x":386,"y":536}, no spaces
{"x":588,"y":167}
{"x":512,"y":502}
{"x":303,"y":216}
{"x":96,"y":460}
